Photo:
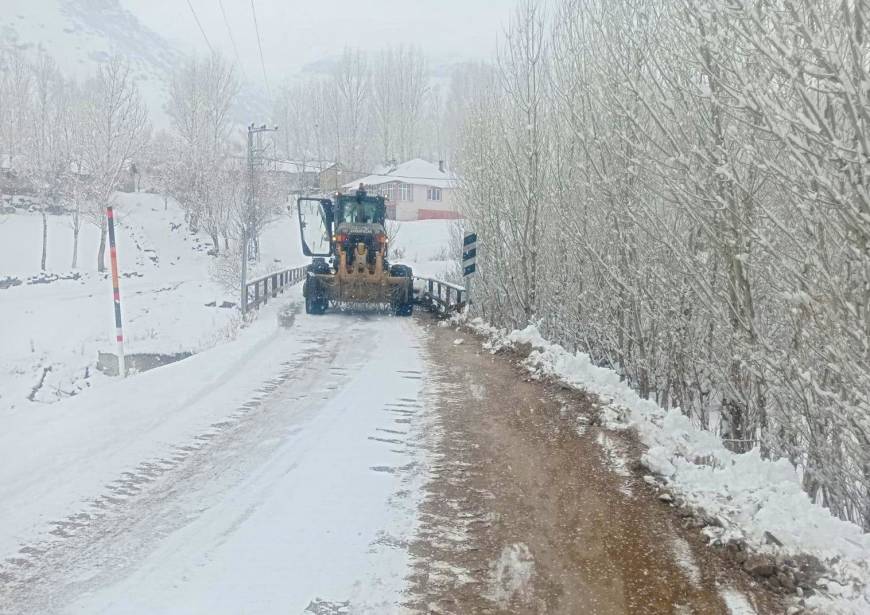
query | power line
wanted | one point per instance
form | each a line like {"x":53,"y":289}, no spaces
{"x":196,"y":19}
{"x":260,"y":47}
{"x":232,"y":38}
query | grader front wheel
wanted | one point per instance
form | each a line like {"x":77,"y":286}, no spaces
{"x":403,"y":303}
{"x":316,"y":306}
{"x":316,"y":300}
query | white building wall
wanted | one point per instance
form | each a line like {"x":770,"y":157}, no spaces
{"x":421,"y":207}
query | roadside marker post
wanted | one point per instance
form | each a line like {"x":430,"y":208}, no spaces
{"x":469,"y":261}
{"x":116,"y":292}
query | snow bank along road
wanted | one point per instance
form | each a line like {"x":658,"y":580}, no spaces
{"x":349,"y":463}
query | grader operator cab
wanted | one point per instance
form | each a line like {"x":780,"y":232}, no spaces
{"x":347,"y":240}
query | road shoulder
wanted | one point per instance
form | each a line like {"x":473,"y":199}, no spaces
{"x":533,"y":508}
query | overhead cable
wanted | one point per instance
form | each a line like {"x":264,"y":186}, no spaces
{"x":201,"y":31}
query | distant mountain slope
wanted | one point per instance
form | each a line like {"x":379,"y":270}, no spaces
{"x":81,"y":33}
{"x":107,"y":21}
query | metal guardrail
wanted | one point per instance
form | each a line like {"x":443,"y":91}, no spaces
{"x":439,"y":296}
{"x":435,"y":295}
{"x":259,"y":290}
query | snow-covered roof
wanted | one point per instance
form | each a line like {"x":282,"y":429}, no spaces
{"x":416,"y":171}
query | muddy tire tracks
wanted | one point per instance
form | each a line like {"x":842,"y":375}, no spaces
{"x":532,"y":509}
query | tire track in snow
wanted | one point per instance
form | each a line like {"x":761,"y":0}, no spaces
{"x":109,"y":514}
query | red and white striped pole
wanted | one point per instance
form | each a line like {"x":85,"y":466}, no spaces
{"x":116,"y":292}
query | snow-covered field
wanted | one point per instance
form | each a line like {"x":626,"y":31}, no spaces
{"x":56,"y":329}
{"x":750,"y":497}
{"x":426,"y":246}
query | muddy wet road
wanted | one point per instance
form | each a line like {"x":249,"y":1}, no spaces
{"x":532,"y":510}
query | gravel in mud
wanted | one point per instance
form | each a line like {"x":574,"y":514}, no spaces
{"x":531,"y":509}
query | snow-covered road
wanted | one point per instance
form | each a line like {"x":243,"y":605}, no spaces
{"x":345,"y":464}
{"x":278,"y":473}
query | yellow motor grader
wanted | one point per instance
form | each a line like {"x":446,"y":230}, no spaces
{"x":346,"y":237}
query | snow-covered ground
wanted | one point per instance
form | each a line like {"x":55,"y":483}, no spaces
{"x":426,"y":246}
{"x":749,"y":496}
{"x":318,"y":413}
{"x":51,"y":333}
{"x":260,"y":476}
{"x":166,"y":287}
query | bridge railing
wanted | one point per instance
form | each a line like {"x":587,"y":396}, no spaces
{"x":259,"y":290}
{"x":433,"y":294}
{"x":438,"y":295}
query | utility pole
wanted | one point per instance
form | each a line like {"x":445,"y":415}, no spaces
{"x":247,"y":218}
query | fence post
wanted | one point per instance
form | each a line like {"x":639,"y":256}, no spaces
{"x":274,"y":285}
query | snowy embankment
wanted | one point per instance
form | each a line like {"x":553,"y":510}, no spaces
{"x":54,"y":325}
{"x":62,"y":456}
{"x":425,"y":246}
{"x":751,"y":498}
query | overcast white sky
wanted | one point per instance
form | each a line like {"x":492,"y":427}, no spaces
{"x":295,"y":33}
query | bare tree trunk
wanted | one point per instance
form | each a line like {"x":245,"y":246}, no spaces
{"x":101,"y":254}
{"x":75,"y":255}
{"x":216,"y":242}
{"x":44,"y":238}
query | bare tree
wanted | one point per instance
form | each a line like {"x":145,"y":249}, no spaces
{"x":505,"y":162}
{"x":50,"y":156}
{"x":116,"y":125}
{"x":706,"y":166}
{"x":352,"y":83}
{"x":297,"y":115}
{"x":201,"y":96}
{"x":16,"y":83}
{"x":400,"y":87}
{"x":75,"y":183}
